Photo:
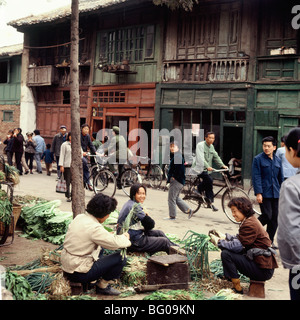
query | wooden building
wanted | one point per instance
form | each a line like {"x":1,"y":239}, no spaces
{"x":10,"y":88}
{"x":230,"y":66}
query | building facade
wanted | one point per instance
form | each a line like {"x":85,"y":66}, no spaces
{"x":10,"y":88}
{"x":228,"y":66}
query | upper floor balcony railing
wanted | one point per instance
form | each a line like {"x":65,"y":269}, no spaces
{"x":213,"y":70}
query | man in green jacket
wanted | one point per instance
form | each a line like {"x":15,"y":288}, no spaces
{"x":205,"y":156}
{"x":117,"y":151}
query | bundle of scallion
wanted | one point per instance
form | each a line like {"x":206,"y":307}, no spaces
{"x":126,"y":225}
{"x":45,"y":221}
{"x":196,"y":247}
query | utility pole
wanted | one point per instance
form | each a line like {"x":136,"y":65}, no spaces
{"x":78,"y":196}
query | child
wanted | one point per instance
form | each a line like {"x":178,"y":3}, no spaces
{"x":176,"y":178}
{"x":48,"y":155}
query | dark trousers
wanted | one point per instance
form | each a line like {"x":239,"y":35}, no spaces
{"x":29,"y":160}
{"x":294,"y":283}
{"x":9,"y":157}
{"x":106,"y":267}
{"x":86,"y":171}
{"x":269,"y":215}
{"x":67,"y":177}
{"x":234,"y":262}
{"x":18,"y":157}
{"x":153,"y":241}
{"x":206,"y":185}
{"x":58,"y":167}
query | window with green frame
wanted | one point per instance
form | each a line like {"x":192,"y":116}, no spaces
{"x":133,"y":43}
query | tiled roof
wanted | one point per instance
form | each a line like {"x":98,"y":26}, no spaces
{"x":84,"y":6}
{"x":13,"y":50}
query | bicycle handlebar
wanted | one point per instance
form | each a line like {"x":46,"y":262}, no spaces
{"x":220,"y":170}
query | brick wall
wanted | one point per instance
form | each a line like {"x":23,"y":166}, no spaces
{"x":8,"y":125}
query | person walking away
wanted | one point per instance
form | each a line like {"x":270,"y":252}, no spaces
{"x":8,"y":142}
{"x":288,"y":169}
{"x":65,"y":164}
{"x":288,"y":235}
{"x":117,"y":152}
{"x":267,"y":176}
{"x":176,"y":179}
{"x":17,"y":148}
{"x":249,"y":252}
{"x":39,"y":149}
{"x":57,"y":141}
{"x":82,"y":257}
{"x":30,"y":145}
{"x":205,"y":156}
{"x":86,"y":145}
{"x":49,"y":159}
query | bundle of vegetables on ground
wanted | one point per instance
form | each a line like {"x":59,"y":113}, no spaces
{"x":44,"y":220}
{"x":5,"y":208}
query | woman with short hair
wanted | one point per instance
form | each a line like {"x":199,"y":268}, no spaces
{"x":82,"y":257}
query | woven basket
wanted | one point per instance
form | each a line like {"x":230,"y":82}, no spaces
{"x":16,"y":214}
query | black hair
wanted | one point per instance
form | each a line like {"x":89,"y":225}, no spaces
{"x":244,"y":205}
{"x":37,"y":132}
{"x":94,"y":135}
{"x":292,"y":140}
{"x":48,"y":145}
{"x":101,"y":205}
{"x":84,"y":125}
{"x":68,"y":136}
{"x":269,"y":139}
{"x":134,"y":189}
{"x":208,"y":133}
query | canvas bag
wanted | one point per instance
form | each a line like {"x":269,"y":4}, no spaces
{"x":61,"y":186}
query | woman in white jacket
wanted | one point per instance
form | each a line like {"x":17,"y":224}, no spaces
{"x":288,"y":236}
{"x":65,"y":164}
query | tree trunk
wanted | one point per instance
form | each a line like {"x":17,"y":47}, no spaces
{"x":78,"y":205}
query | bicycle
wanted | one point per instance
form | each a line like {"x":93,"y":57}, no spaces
{"x":101,"y":178}
{"x":151,"y":173}
{"x":128,"y":177}
{"x":195,"y":199}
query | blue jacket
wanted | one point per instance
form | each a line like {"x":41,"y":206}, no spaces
{"x":267,"y":175}
{"x":48,"y":155}
{"x":40,"y":144}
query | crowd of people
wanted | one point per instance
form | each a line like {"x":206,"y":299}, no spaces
{"x":251,"y":252}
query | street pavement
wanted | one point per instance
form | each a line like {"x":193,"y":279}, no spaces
{"x":41,"y":185}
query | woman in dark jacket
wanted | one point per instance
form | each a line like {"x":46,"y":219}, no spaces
{"x":250,"y":251}
{"x":18,"y":148}
{"x":142,"y":235}
{"x":176,"y":178}
{"x":9,"y":142}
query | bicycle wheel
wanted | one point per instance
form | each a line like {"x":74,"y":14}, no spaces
{"x":255,"y":204}
{"x":128,"y":178}
{"x":155,"y":176}
{"x":105,"y":182}
{"x":229,"y":194}
{"x":193,"y":201}
{"x":93,"y":170}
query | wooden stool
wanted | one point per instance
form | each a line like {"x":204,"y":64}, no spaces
{"x":76,"y":287}
{"x":257,"y":289}
{"x":168,"y":272}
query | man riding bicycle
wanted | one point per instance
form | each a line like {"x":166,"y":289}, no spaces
{"x":205,"y":156}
